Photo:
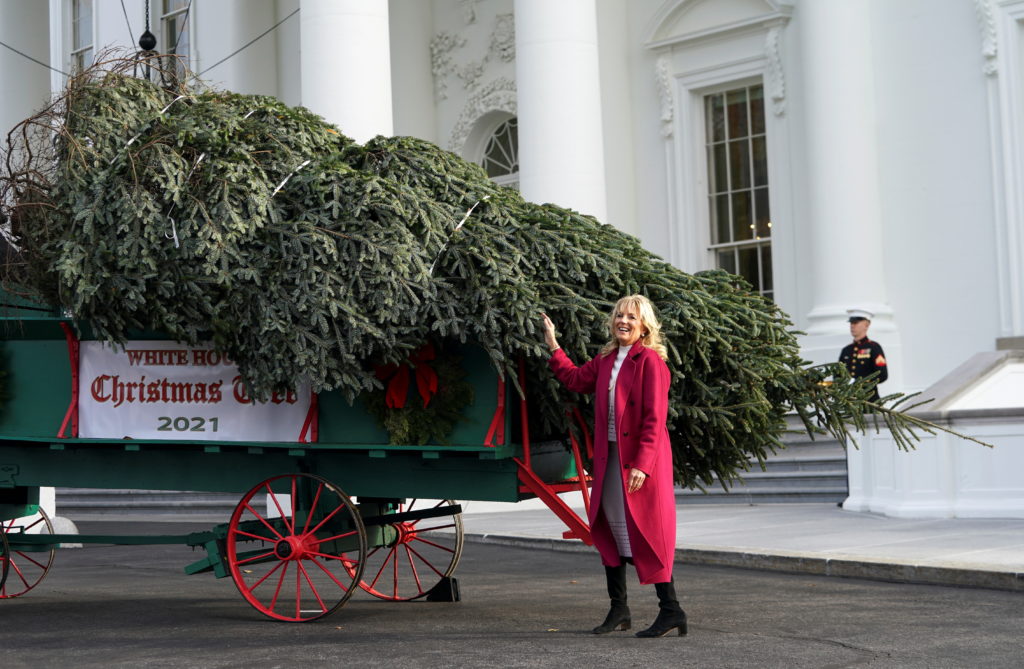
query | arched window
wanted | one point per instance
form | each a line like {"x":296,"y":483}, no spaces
{"x":501,"y":154}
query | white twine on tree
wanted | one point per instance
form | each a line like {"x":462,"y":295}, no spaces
{"x":281,"y":185}
{"x":174,"y":234}
{"x":139,"y":134}
{"x":174,"y":228}
{"x":461,"y":223}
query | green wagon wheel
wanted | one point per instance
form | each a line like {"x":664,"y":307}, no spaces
{"x":410,"y":557}
{"x":24,"y":570}
{"x":295,"y":547}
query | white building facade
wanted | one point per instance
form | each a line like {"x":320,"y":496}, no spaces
{"x":837,"y":154}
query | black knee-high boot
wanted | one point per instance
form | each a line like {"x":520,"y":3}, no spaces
{"x":670,"y":615}
{"x":618,"y":617}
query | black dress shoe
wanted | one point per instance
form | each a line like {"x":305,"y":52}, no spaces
{"x":665,"y":623}
{"x":618,"y":618}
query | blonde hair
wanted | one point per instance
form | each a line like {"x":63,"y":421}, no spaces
{"x":651,"y":335}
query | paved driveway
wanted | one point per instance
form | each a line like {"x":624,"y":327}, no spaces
{"x":134,"y":607}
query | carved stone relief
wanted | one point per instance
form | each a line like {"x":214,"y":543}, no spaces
{"x":499,"y":95}
{"x":989,"y":45}
{"x":775,"y":76}
{"x":444,"y":46}
{"x":441,"y":64}
{"x":664,"y":78}
{"x":503,"y":38}
{"x":468,"y":10}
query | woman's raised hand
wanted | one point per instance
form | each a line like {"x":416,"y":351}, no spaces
{"x":549,"y":333}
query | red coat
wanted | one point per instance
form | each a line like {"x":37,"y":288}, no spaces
{"x":641,"y":412}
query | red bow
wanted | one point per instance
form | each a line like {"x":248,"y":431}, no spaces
{"x":398,"y":386}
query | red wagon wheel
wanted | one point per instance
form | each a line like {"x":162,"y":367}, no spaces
{"x":24,"y":570}
{"x":298,"y":556}
{"x":412,"y":556}
{"x":4,"y":565}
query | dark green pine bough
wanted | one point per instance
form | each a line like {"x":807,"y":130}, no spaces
{"x":208,"y":215}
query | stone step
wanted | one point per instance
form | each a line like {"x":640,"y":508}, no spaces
{"x":803,"y":496}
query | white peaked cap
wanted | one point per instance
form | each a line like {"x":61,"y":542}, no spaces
{"x":859,"y":313}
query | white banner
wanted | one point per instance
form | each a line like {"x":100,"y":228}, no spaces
{"x":167,"y":390}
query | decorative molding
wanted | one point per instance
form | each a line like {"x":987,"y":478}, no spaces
{"x":499,"y":95}
{"x":470,"y":74}
{"x":668,"y":108}
{"x":441,"y":64}
{"x":989,"y":40}
{"x":468,"y":11}
{"x":502,"y":47}
{"x":775,"y":76}
{"x":503,"y":38}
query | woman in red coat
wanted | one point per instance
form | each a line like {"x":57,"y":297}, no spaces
{"x":633,"y":510}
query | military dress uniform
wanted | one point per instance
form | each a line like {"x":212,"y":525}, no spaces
{"x":863,"y":358}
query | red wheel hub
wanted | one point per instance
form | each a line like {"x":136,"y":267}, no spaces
{"x":406,"y":532}
{"x":292,"y":548}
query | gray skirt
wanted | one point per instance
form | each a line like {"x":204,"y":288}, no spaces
{"x":613,"y":504}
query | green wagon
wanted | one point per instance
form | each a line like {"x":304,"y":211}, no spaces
{"x":334,"y":510}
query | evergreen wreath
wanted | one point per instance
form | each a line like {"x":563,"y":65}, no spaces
{"x":416,"y":422}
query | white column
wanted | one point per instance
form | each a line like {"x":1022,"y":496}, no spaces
{"x":24,"y":25}
{"x":561,"y":144}
{"x":844,"y":196}
{"x":346,"y":64}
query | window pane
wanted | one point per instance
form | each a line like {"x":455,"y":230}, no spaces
{"x":718,"y":164}
{"x":757,"y":110}
{"x":81,"y":24}
{"x":720,"y":219}
{"x":739,"y":164}
{"x":501,"y":154}
{"x":760,"y":151}
{"x":736,"y":102}
{"x":727,"y":261}
{"x":715,"y":117}
{"x":742,"y":216}
{"x":762,"y":214}
{"x":748,"y":265}
{"x":766,"y":268}
{"x":171,"y":5}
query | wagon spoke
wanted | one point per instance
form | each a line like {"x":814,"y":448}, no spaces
{"x":262,"y":520}
{"x":347,"y":562}
{"x":316,"y":594}
{"x":444,"y":548}
{"x":254,"y":558}
{"x":335,"y":537}
{"x":380,"y":571}
{"x":329,"y":516}
{"x":277,"y":590}
{"x":298,"y":593}
{"x":28,"y":527}
{"x":273,"y":496}
{"x":17,"y":570}
{"x":394,"y":590}
{"x":415,"y":574}
{"x":254,"y":536}
{"x":22,"y":555}
{"x":294,"y":480}
{"x":436,"y":527}
{"x":312,"y":508}
{"x":425,"y":561}
{"x":267,"y":575}
{"x":330,"y":575}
